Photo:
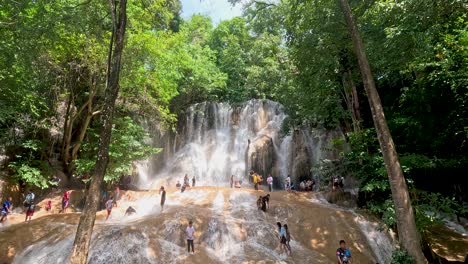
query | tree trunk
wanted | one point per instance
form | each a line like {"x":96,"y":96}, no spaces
{"x":87,"y":120}
{"x":65,"y":131}
{"x":407,"y":232}
{"x":88,"y":216}
{"x":351,"y":99}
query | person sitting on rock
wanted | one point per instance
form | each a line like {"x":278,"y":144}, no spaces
{"x":130,"y":211}
{"x":178,"y":185}
{"x":265,"y":202}
{"x":237,"y":184}
{"x":302,"y":186}
{"x":338,"y":183}
{"x":259,"y":202}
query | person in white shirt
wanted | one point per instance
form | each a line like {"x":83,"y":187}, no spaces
{"x":287,"y":183}
{"x":109,"y":205}
{"x":270,"y":183}
{"x":190,"y":236}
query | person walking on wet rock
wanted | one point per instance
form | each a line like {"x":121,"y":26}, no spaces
{"x":109,"y":205}
{"x":116,"y":195}
{"x":6,"y":209}
{"x":190,"y":231}
{"x":29,"y":199}
{"x":287,"y":236}
{"x":162,"y":191}
{"x":282,"y":237}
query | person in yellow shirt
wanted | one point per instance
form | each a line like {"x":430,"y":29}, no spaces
{"x":257,"y":180}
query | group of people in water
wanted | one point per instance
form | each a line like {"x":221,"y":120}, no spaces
{"x":186,"y":184}
{"x":343,"y":254}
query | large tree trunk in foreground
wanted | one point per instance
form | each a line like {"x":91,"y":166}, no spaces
{"x":407,"y":232}
{"x":88,"y":216}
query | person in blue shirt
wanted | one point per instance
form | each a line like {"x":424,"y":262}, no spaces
{"x":343,"y":254}
{"x":6,"y":209}
{"x":282,"y":238}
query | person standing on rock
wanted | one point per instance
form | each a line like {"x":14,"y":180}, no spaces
{"x":193,"y":181}
{"x":162,"y":191}
{"x":65,"y":201}
{"x":257,"y":180}
{"x":190,"y":231}
{"x":6,"y":209}
{"x":30,"y":212}
{"x":232,"y":181}
{"x":287,"y":184}
{"x":116,"y":194}
{"x":270,"y":183}
{"x":186,"y":181}
{"x":287,"y":236}
{"x":28,"y":200}
{"x":109,"y":205}
{"x":104,"y":198}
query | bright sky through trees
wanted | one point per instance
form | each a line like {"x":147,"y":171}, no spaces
{"x":216,"y":9}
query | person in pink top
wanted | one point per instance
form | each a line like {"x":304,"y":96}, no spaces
{"x":48,"y":206}
{"x":270,"y":183}
{"x":65,"y":201}
{"x":190,"y":237}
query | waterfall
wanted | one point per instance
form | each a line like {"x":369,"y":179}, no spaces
{"x":220,"y":140}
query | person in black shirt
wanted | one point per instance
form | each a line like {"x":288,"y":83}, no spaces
{"x":343,"y":254}
{"x":265,"y":202}
{"x":163,"y":197}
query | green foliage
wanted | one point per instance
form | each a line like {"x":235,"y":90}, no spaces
{"x":365,"y":163}
{"x":128,"y":144}
{"x":28,"y":168}
{"x":32,"y":176}
{"x":401,"y":257}
{"x":255,"y":63}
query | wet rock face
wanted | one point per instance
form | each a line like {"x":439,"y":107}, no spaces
{"x":261,"y":155}
{"x":344,"y":199}
{"x":300,"y":158}
{"x":108,"y":240}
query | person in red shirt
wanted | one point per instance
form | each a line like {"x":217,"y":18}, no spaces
{"x":65,"y":201}
{"x":48,"y":206}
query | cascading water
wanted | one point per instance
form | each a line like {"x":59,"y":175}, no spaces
{"x":216,"y":141}
{"x":221,"y":140}
{"x":229,"y":229}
